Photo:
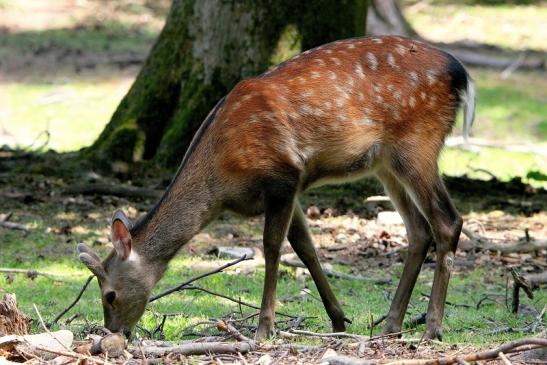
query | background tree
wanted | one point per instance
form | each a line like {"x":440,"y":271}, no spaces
{"x":204,"y":49}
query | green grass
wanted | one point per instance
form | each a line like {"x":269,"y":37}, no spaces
{"x":74,"y":113}
{"x":360,"y":300}
{"x":505,"y":25}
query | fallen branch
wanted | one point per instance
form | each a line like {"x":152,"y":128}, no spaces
{"x":194,"y":348}
{"x":484,"y":243}
{"x":31,"y":274}
{"x":328,"y":334}
{"x":511,"y":347}
{"x":291,"y":261}
{"x":116,"y":190}
{"x":191,"y":280}
{"x":528,"y":283}
{"x":228,"y":328}
{"x":15,"y":226}
{"x":232,"y":299}
{"x":64,"y":311}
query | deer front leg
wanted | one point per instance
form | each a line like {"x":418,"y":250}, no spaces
{"x":302,"y":243}
{"x":278,"y":212}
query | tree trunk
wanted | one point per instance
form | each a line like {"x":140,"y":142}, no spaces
{"x":204,"y":49}
{"x":385,"y":17}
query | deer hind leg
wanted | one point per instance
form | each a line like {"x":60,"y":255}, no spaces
{"x":301,"y":241}
{"x":278,"y":213}
{"x":419,"y":238}
{"x":423,"y":184}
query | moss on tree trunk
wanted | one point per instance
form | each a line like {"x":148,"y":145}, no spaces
{"x":204,"y":49}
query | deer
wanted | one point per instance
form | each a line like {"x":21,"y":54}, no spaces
{"x":369,"y":106}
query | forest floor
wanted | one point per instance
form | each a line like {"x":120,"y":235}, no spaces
{"x":349,"y":237}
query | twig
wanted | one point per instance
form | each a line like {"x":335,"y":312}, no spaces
{"x":191,"y":280}
{"x":64,"y":311}
{"x":31,"y":274}
{"x":228,"y":328}
{"x":504,"y":358}
{"x":16,"y":226}
{"x":232,"y":299}
{"x":289,"y":260}
{"x":47,"y":329}
{"x":327,"y":334}
{"x":511,"y":347}
{"x":197,"y":348}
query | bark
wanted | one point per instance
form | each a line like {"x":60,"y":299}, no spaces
{"x":204,"y":49}
{"x":12,"y":320}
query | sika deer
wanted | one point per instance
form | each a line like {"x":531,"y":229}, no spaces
{"x":381,"y":106}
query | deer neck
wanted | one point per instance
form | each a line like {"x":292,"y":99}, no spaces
{"x":187,"y":206}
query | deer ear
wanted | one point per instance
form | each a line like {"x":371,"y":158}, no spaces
{"x":121,"y":238}
{"x":93,"y":265}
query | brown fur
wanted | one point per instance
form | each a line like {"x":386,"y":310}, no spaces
{"x":379,"y":106}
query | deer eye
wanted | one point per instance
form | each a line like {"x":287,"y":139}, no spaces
{"x":109,"y":297}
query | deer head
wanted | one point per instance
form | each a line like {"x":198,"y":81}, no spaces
{"x":125,"y":280}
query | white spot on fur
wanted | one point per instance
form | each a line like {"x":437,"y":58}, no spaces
{"x":315,"y":75}
{"x":400,"y":49}
{"x":253,"y":118}
{"x":431,"y":76}
{"x":391,"y":61}
{"x":390,"y":87}
{"x":246,"y":97}
{"x":328,"y":105}
{"x":350,"y":46}
{"x":350,"y":82}
{"x":359,"y":71}
{"x":412,"y":101}
{"x":340,"y":102}
{"x":377,"y":88}
{"x":329,"y":51}
{"x":320,"y":61}
{"x":397,"y":95}
{"x":377,"y":40}
{"x":422,"y":95}
{"x":306,"y":109}
{"x":378,"y":98}
{"x":307,"y":94}
{"x":301,"y":79}
{"x":372,"y":62}
{"x":236,"y":105}
{"x":413,"y":76}
{"x":366,"y":121}
{"x":336,"y":61}
{"x":361,"y":96}
{"x":332,"y":75}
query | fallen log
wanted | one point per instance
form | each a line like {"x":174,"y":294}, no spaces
{"x":194,"y":348}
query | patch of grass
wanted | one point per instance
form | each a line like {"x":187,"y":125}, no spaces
{"x":112,"y":37}
{"x":504,"y":165}
{"x":506,"y":25}
{"x":360,"y":300}
{"x":74,"y":113}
